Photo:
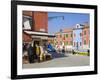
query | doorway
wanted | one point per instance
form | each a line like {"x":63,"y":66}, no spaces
{"x":36,"y":57}
{"x":36,"y":42}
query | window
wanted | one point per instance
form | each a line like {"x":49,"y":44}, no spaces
{"x":80,"y":43}
{"x":77,"y":26}
{"x":77,"y":44}
{"x":64,"y":43}
{"x":71,"y":43}
{"x":84,"y":32}
{"x":67,"y":43}
{"x":80,"y":34}
{"x":60,"y":36}
{"x":84,"y":41}
{"x":66,"y":35}
{"x":74,"y":43}
{"x":71,"y":35}
{"x":27,"y":22}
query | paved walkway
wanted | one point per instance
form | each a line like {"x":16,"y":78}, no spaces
{"x":65,"y":61}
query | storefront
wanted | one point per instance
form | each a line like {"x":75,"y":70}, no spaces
{"x":39,"y":38}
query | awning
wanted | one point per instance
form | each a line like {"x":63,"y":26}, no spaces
{"x":39,"y":34}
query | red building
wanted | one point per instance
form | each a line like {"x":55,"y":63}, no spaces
{"x":38,"y":20}
{"x":35,"y":27}
{"x":26,"y":37}
{"x":86,"y":37}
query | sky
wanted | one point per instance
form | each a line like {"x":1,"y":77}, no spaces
{"x":70,"y":20}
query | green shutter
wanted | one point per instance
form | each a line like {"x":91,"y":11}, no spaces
{"x":66,"y":35}
{"x":84,"y":41}
{"x":71,"y":35}
{"x":60,"y":36}
{"x":66,"y":43}
{"x":71,"y":43}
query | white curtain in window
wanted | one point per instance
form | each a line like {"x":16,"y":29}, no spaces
{"x":27,"y":24}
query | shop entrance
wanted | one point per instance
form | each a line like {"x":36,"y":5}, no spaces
{"x":36,"y":42}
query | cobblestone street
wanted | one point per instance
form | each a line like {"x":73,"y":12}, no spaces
{"x":65,"y":61}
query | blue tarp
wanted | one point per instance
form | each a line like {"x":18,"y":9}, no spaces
{"x":50,"y":47}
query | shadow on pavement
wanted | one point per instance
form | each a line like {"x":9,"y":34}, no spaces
{"x":57,"y":55}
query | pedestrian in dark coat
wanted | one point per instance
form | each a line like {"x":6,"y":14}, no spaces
{"x":30,"y":53}
{"x":63,"y":50}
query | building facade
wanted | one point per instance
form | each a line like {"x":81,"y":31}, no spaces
{"x":65,"y":39}
{"x":40,"y":21}
{"x":58,"y":38}
{"x":35,"y":21}
{"x":77,"y":37}
{"x":68,"y":38}
{"x":35,"y":25}
{"x":86,"y":37}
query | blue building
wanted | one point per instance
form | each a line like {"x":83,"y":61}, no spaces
{"x":77,"y":37}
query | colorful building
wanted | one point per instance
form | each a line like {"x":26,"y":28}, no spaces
{"x":68,"y":38}
{"x":65,"y":38}
{"x":86,"y":37}
{"x":35,"y":31}
{"x":58,"y":38}
{"x":77,"y":37}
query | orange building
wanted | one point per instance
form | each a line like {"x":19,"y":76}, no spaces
{"x":65,"y":38}
{"x":68,"y":37}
